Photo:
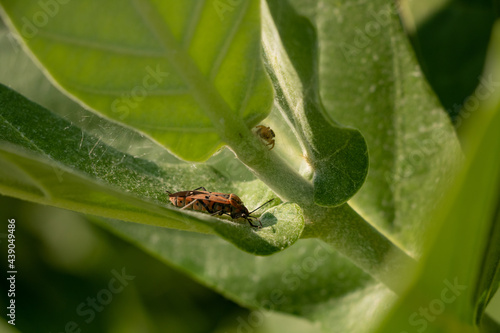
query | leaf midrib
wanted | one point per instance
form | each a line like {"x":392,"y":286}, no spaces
{"x":203,"y":91}
{"x":31,"y":144}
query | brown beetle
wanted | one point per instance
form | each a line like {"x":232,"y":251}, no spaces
{"x":214,"y":203}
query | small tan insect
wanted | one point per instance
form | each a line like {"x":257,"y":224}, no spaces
{"x":266,"y":134}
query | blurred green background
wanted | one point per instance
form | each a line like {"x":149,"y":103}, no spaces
{"x":450,"y":38}
{"x":62,"y":258}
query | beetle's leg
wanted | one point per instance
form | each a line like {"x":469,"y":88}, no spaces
{"x":190,"y":204}
{"x":195,"y":201}
{"x":201,"y":187}
{"x":205,"y":206}
{"x":196,"y":189}
{"x":253,"y":225}
{"x":219,"y":212}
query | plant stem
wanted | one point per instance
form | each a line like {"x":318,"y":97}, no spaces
{"x":341,"y":226}
{"x":365,"y":246}
{"x":349,"y":233}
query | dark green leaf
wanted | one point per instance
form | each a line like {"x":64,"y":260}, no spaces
{"x":309,"y":279}
{"x":47,"y":159}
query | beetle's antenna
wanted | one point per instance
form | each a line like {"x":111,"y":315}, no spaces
{"x":265,"y":203}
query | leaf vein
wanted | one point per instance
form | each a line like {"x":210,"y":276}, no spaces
{"x":228,"y":40}
{"x":193,"y":23}
{"x":118,"y":49}
{"x":116,"y":92}
{"x":251,"y":85}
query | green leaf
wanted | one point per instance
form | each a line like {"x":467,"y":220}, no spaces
{"x":366,"y":247}
{"x":188,"y":74}
{"x":295,"y":83}
{"x":20,"y":74}
{"x":48,"y":160}
{"x":337,"y":154}
{"x":369,"y":79}
{"x":309,"y":279}
{"x":282,"y":227}
{"x":333,"y":225}
{"x":458,"y":273}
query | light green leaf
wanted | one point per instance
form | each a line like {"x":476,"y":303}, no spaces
{"x":370,"y":80}
{"x":337,"y":154}
{"x":47,"y":160}
{"x":332,"y":225}
{"x":293,"y":74}
{"x":21,"y":74}
{"x":282,"y":227}
{"x":458,"y":273}
{"x":7,"y":328}
{"x":188,"y":74}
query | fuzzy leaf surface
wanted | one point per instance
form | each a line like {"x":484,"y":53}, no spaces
{"x":184,"y":73}
{"x":48,"y":160}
